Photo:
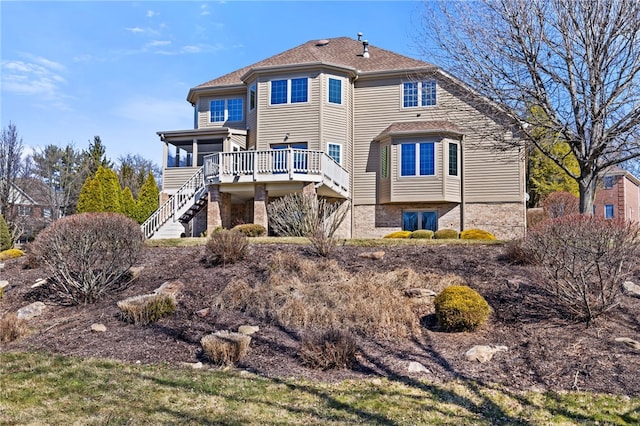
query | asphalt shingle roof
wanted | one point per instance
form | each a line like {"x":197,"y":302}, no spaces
{"x":341,"y":51}
{"x":420,"y":126}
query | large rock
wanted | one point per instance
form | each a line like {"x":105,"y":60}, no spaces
{"x":39,"y":282}
{"x":248,"y":329}
{"x":419,"y":292}
{"x":172,"y":288}
{"x":483,"y":353}
{"x":31,"y":311}
{"x":135,"y":272}
{"x":629,"y":342}
{"x":375,"y":255}
{"x":98,"y":328}
{"x":4,"y":283}
{"x":416,"y":367}
{"x":631,"y":289}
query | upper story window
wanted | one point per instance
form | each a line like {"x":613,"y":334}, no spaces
{"x":335,"y":91}
{"x":335,"y":151}
{"x":417,"y":159}
{"x":419,"y":93}
{"x":295,"y":90}
{"x":24,"y":210}
{"x":226,"y":110}
{"x":252,"y":97}
{"x":608,"y":211}
{"x":453,"y":159}
{"x":608,"y":182}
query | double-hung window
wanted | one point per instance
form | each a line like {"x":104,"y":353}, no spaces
{"x":226,"y":110}
{"x":608,"y":211}
{"x":417,"y":159}
{"x":252,"y":97}
{"x":335,"y":91}
{"x":453,"y":159}
{"x":335,"y":151}
{"x":419,"y":93}
{"x":295,"y":90}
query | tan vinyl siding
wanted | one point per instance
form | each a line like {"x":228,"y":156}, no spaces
{"x":378,"y":103}
{"x":336,"y":117}
{"x":416,"y":188}
{"x":300,"y":120}
{"x":385,"y":182}
{"x":174,"y":177}
{"x":239,"y":140}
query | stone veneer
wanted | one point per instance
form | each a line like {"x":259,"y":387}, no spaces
{"x":504,"y":220}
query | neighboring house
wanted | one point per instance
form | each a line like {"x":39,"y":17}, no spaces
{"x":405,"y":144}
{"x":618,"y":196}
{"x":30,"y":208}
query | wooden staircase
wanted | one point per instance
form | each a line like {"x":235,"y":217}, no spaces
{"x":169,"y":220}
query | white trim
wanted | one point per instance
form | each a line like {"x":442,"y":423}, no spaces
{"x":342,"y":87}
{"x":339,"y":145}
{"x":288,"y":80}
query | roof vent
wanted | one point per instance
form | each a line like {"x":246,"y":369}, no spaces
{"x":359,"y":36}
{"x":365,"y":46}
{"x":322,"y":42}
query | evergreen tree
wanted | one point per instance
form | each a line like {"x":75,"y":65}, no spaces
{"x":128,"y":204}
{"x":95,"y":156}
{"x":5,"y":236}
{"x":90,"y":199}
{"x":148,"y":201}
{"x":111,"y":191}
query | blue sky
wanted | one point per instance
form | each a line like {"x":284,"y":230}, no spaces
{"x":122,"y":70}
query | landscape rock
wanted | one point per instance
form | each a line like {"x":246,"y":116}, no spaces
{"x":631,"y":289}
{"x":629,"y":342}
{"x":514,"y":283}
{"x":203,"y":313}
{"x":194,"y":365}
{"x":172,"y":288}
{"x":4,"y":283}
{"x":419,"y":292}
{"x":98,"y":328}
{"x":483,"y":353}
{"x":248,"y":329}
{"x":416,"y":367}
{"x":33,"y":310}
{"x":375,"y":255}
{"x":1,"y":266}
{"x":135,"y":271}
{"x":39,"y":283}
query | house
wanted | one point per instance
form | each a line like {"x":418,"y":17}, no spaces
{"x":403,"y":143}
{"x":618,"y":197}
{"x":30,"y":209}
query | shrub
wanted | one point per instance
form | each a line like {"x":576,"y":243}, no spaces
{"x":87,"y":256}
{"x":446,"y":234}
{"x":225,"y":347}
{"x":398,"y":234}
{"x":461,"y":308}
{"x":517,"y":252}
{"x":11,"y":254}
{"x":476,"y":234}
{"x":306,"y":215}
{"x":11,"y":328}
{"x":6,"y":242}
{"x":561,"y":203}
{"x":535,"y":217}
{"x":225,"y":247}
{"x":147,"y":308}
{"x":250,"y":229}
{"x":328,"y":350}
{"x":422,"y":234}
{"x":584,"y":261}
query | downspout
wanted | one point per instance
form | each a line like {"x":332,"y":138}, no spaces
{"x":352,"y":153}
{"x":462,"y":204}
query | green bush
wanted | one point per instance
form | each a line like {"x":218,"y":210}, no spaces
{"x":398,"y":234}
{"x":5,"y":236}
{"x":11,"y":254}
{"x":422,"y":234}
{"x":461,"y":308}
{"x":226,"y":246}
{"x":446,"y":234}
{"x":476,"y":234}
{"x":250,"y":229}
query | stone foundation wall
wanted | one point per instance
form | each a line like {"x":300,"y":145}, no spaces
{"x":504,"y":220}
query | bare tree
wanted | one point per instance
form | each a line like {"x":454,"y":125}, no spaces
{"x":10,"y":166}
{"x":576,"y":61}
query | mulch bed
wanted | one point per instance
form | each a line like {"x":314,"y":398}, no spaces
{"x":544,"y":350}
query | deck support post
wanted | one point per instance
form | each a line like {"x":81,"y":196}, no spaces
{"x":260,"y":199}
{"x":214,"y":219}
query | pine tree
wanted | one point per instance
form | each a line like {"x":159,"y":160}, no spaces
{"x":128,"y":203}
{"x":5,"y":236}
{"x":90,"y":199}
{"x":148,"y":200}
{"x":111,"y":191}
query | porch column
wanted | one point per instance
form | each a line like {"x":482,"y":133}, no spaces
{"x":260,"y":198}
{"x":194,"y":162}
{"x":214,"y":220}
{"x":309,"y":189}
{"x":225,"y":209}
{"x":165,"y":155}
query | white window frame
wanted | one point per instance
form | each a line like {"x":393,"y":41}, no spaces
{"x":417,"y":159}
{"x":449,"y":159}
{"x":341,"y":81}
{"x":420,"y":93}
{"x":253,"y":90}
{"x":226,"y":110}
{"x":419,"y":212}
{"x":613,"y":211}
{"x":25,"y":211}
{"x":339,"y":145}
{"x":288,"y":102}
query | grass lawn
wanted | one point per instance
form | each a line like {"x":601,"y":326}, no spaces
{"x":37,"y":388}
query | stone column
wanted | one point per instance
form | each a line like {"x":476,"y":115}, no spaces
{"x":260,"y":198}
{"x":194,"y":155}
{"x":309,"y":189}
{"x":225,"y":210}
{"x":214,"y":219}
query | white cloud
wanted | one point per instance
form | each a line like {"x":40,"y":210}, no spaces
{"x":156,"y":113}
{"x":151,"y":13}
{"x":155,"y":43}
{"x":204,"y":10}
{"x":135,"y":30}
{"x":35,"y":76}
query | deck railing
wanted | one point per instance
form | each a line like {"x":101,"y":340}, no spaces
{"x":172,"y":208}
{"x":276,"y":165}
